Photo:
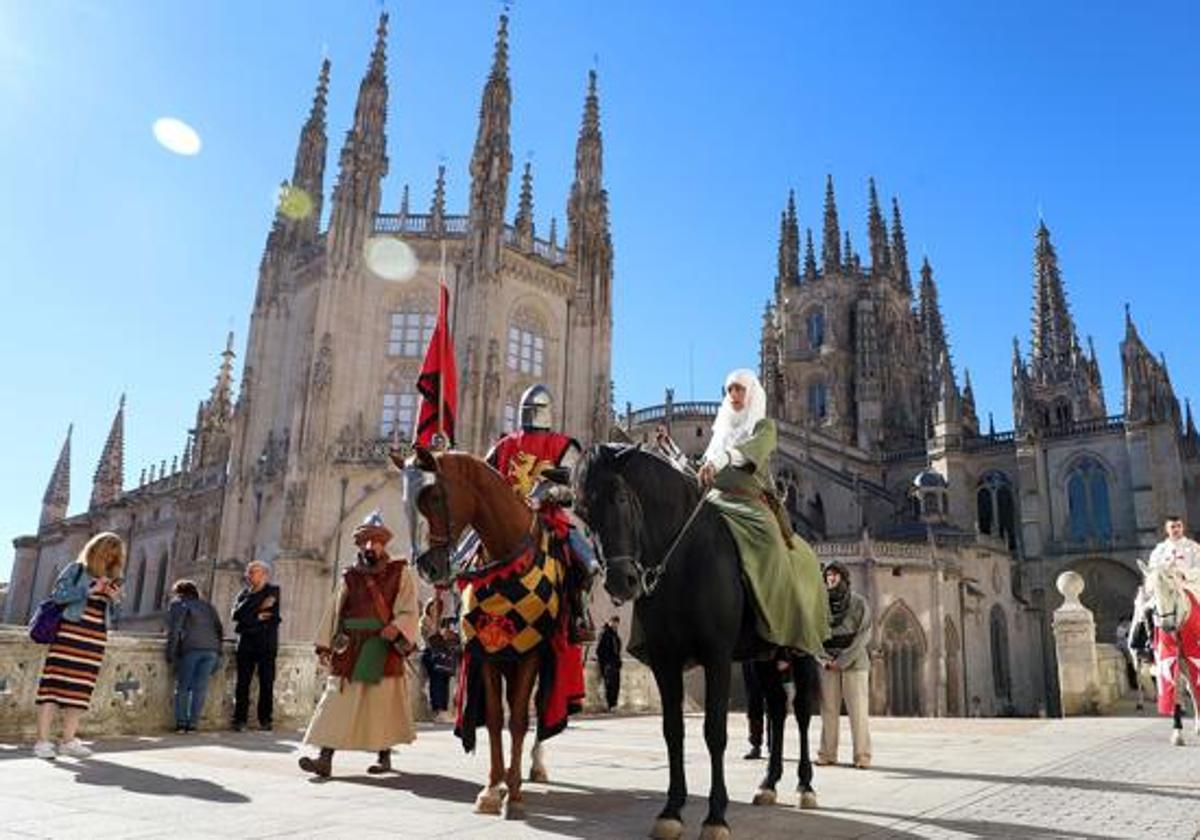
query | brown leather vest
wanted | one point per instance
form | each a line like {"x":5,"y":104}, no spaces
{"x":360,"y":603}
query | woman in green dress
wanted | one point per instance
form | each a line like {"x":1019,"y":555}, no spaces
{"x":780,"y":569}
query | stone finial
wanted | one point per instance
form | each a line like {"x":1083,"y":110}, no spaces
{"x":1070,"y":585}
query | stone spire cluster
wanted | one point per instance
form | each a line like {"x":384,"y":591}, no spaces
{"x":57,"y":497}
{"x":1149,"y":395}
{"x":589,"y":242}
{"x":1060,"y":384}
{"x":789,"y":247}
{"x":831,"y":244}
{"x":491,"y":164}
{"x":109,"y":480}
{"x":363,"y":162}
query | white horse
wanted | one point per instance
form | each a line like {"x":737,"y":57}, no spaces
{"x":1169,"y":595}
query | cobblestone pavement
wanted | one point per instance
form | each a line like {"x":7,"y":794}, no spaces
{"x":948,"y":778}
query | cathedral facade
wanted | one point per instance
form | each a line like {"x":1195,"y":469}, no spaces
{"x":956,"y":533}
{"x":283,"y":471}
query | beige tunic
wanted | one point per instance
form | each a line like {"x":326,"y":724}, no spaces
{"x":366,"y":716}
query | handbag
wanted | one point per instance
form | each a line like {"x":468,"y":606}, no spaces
{"x":43,"y":627}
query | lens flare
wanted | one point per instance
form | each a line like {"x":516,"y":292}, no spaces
{"x":294,"y":203}
{"x":391,"y":258}
{"x":176,"y":136}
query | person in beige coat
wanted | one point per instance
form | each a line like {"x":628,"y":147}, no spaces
{"x":368,"y":629}
{"x":846,"y":669}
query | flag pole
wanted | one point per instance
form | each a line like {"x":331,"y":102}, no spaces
{"x":441,"y":407}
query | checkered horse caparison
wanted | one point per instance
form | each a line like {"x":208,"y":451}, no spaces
{"x":514,"y":610}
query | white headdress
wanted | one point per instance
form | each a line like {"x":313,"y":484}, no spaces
{"x":732,"y":427}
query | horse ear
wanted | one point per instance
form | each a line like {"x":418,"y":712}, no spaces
{"x":1145,"y":569}
{"x":424,"y":459}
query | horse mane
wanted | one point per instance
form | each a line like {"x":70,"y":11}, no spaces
{"x":482,"y":480}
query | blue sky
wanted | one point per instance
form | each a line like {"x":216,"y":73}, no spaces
{"x":124,"y":266}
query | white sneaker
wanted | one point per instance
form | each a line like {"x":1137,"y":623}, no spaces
{"x":44,"y":749}
{"x":74,"y":748}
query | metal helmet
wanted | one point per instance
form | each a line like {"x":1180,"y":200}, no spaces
{"x":537,"y":409}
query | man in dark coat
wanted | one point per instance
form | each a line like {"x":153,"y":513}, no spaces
{"x":256,"y":617}
{"x":608,"y":655}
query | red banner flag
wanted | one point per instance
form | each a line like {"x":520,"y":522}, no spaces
{"x":438,"y":382}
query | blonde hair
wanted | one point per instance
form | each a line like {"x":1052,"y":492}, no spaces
{"x":104,"y":555}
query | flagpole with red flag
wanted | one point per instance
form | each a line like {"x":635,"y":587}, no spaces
{"x":438,"y":381}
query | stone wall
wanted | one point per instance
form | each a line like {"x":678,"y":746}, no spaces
{"x":133,"y":694}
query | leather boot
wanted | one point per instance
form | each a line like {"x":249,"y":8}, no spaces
{"x":321,"y":766}
{"x":383,"y":765}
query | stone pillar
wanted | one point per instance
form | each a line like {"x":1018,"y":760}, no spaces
{"x":1075,"y":647}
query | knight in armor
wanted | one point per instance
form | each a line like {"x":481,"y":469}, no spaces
{"x":537,"y":462}
{"x":369,"y":627}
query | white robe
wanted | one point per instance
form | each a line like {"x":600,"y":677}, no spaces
{"x":367,"y":716}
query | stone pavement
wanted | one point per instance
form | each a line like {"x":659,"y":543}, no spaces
{"x":947,"y":778}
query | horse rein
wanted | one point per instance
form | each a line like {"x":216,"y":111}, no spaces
{"x":650,"y":576}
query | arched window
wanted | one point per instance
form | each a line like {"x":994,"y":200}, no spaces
{"x":815,"y":324}
{"x":410,"y":332}
{"x":995,"y":508}
{"x":983,"y":509}
{"x":1062,"y":414}
{"x":953,"y":648}
{"x":1089,"y":515}
{"x":818,"y":407}
{"x":160,"y":582}
{"x":904,"y":653}
{"x":398,"y":415}
{"x":1007,"y":513}
{"x":1001,"y":679}
{"x":136,"y":606}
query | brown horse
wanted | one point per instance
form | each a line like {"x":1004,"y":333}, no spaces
{"x":512,"y":627}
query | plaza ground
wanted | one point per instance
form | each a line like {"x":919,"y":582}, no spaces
{"x":933,"y":778}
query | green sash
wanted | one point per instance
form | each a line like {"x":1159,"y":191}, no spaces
{"x":372,"y":650}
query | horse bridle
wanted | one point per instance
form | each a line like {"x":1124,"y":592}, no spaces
{"x":445,"y":541}
{"x":650,"y":576}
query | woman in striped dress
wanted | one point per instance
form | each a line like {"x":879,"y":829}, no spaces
{"x":87,"y":590}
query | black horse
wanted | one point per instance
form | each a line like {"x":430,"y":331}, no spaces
{"x":693,"y":609}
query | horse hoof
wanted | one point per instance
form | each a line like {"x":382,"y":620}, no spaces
{"x":714,"y":832}
{"x":489,"y":801}
{"x":765,"y":796}
{"x":538,"y":774}
{"x":808,"y":800}
{"x":666,"y":829}
{"x":1177,"y":738}
{"x":513,"y":809}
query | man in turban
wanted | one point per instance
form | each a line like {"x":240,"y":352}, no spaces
{"x":368,"y":629}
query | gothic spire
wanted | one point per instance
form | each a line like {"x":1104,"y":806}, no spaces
{"x":109,"y":479}
{"x":877,"y":234}
{"x":523,"y":224}
{"x":900,"y":251}
{"x":302,"y":201}
{"x":1189,"y":426}
{"x":363,"y":162}
{"x":969,"y":415}
{"x":589,"y":243}
{"x":437,"y":207}
{"x":810,"y":258}
{"x":491,"y":163}
{"x":848,"y":256}
{"x":1053,"y":342}
{"x":934,"y":345}
{"x":404,"y":202}
{"x":831,"y":247}
{"x":793,"y":240}
{"x":58,"y":491}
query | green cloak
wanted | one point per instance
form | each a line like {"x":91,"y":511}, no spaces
{"x":788,"y":589}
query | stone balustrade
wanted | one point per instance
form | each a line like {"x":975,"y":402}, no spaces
{"x":134,"y":690}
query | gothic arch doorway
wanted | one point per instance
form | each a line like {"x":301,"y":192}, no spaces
{"x":904,"y":650}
